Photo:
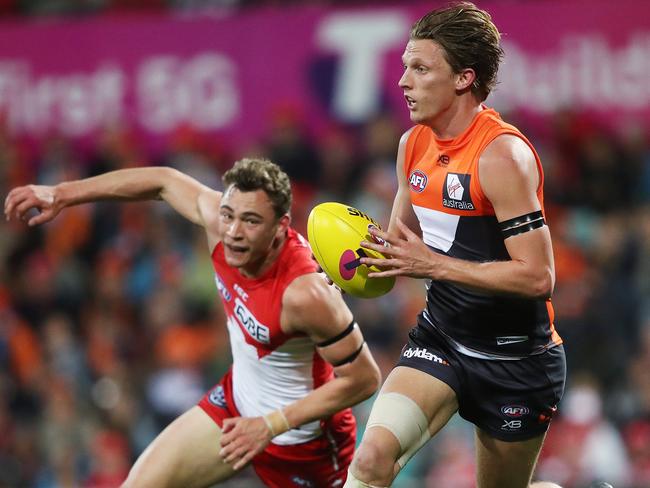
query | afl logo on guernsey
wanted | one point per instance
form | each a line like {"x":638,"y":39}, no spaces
{"x":222,"y":288}
{"x":455,"y":192}
{"x":418,"y":181}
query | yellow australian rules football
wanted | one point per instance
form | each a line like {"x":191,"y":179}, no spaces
{"x":335,"y":232}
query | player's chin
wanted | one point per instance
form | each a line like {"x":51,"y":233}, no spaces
{"x":417,"y":117}
{"x":236,"y":259}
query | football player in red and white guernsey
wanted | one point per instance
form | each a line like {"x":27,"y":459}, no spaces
{"x":299,"y":359}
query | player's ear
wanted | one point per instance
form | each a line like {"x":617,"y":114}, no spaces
{"x":283,"y":223}
{"x":465,"y":79}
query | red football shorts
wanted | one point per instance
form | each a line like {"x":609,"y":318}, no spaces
{"x":319,"y":463}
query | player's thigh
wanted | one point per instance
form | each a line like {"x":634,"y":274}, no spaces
{"x":184,"y":455}
{"x":502,"y":464}
{"x":393,"y":429}
{"x":435,"y":398}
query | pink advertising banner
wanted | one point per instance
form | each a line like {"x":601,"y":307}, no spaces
{"x":229,"y":75}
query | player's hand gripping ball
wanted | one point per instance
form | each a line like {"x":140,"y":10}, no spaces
{"x":335,"y":232}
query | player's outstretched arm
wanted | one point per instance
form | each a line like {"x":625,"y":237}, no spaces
{"x":182,"y":192}
{"x":313,"y":307}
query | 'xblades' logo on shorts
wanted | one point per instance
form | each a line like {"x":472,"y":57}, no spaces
{"x":512,"y":425}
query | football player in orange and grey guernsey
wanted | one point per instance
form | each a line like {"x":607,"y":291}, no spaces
{"x":485,"y":345}
{"x":299,"y":358}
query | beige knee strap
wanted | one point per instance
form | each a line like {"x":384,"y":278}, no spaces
{"x":352,"y":482}
{"x":404,"y":419}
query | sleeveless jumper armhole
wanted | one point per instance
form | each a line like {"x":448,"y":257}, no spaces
{"x":490,"y":137}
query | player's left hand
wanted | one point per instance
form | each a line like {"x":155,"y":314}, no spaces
{"x":242,"y":439}
{"x":406,"y":255}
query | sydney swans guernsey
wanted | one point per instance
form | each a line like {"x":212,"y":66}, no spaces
{"x":270,"y":368}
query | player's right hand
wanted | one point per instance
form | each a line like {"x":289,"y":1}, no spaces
{"x":242,"y":439}
{"x":24,"y":198}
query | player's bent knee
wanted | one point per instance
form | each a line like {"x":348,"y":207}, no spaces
{"x":353,"y":482}
{"x":404,"y":419}
{"x":371,"y":462}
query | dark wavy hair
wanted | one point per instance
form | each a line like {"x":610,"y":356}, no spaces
{"x":261,"y":174}
{"x":469,"y":39}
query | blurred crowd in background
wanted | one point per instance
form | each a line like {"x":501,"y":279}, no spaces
{"x":110,"y":324}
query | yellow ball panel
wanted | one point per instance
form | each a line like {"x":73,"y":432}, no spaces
{"x":335,"y":232}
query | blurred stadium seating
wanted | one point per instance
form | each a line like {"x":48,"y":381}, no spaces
{"x":109,"y":321}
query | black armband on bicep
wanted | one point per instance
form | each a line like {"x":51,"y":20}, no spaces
{"x":350,"y":358}
{"x":521,"y":224}
{"x":348,"y":330}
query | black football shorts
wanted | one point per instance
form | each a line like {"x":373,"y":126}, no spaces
{"x":511,"y":400}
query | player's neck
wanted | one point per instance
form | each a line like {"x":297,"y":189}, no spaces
{"x":453,"y":122}
{"x":262,"y":265}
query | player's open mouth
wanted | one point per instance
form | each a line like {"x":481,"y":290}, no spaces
{"x":409,"y":102}
{"x":236,"y":249}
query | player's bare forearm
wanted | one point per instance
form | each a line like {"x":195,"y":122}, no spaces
{"x":153,"y":183}
{"x":245,"y":437}
{"x":128,"y":184}
{"x":125,"y":184}
{"x":512,"y":277}
{"x":529,"y":273}
{"x":353,"y":384}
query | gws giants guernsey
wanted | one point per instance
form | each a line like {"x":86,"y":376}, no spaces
{"x":458,"y":220}
{"x":270,"y":368}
